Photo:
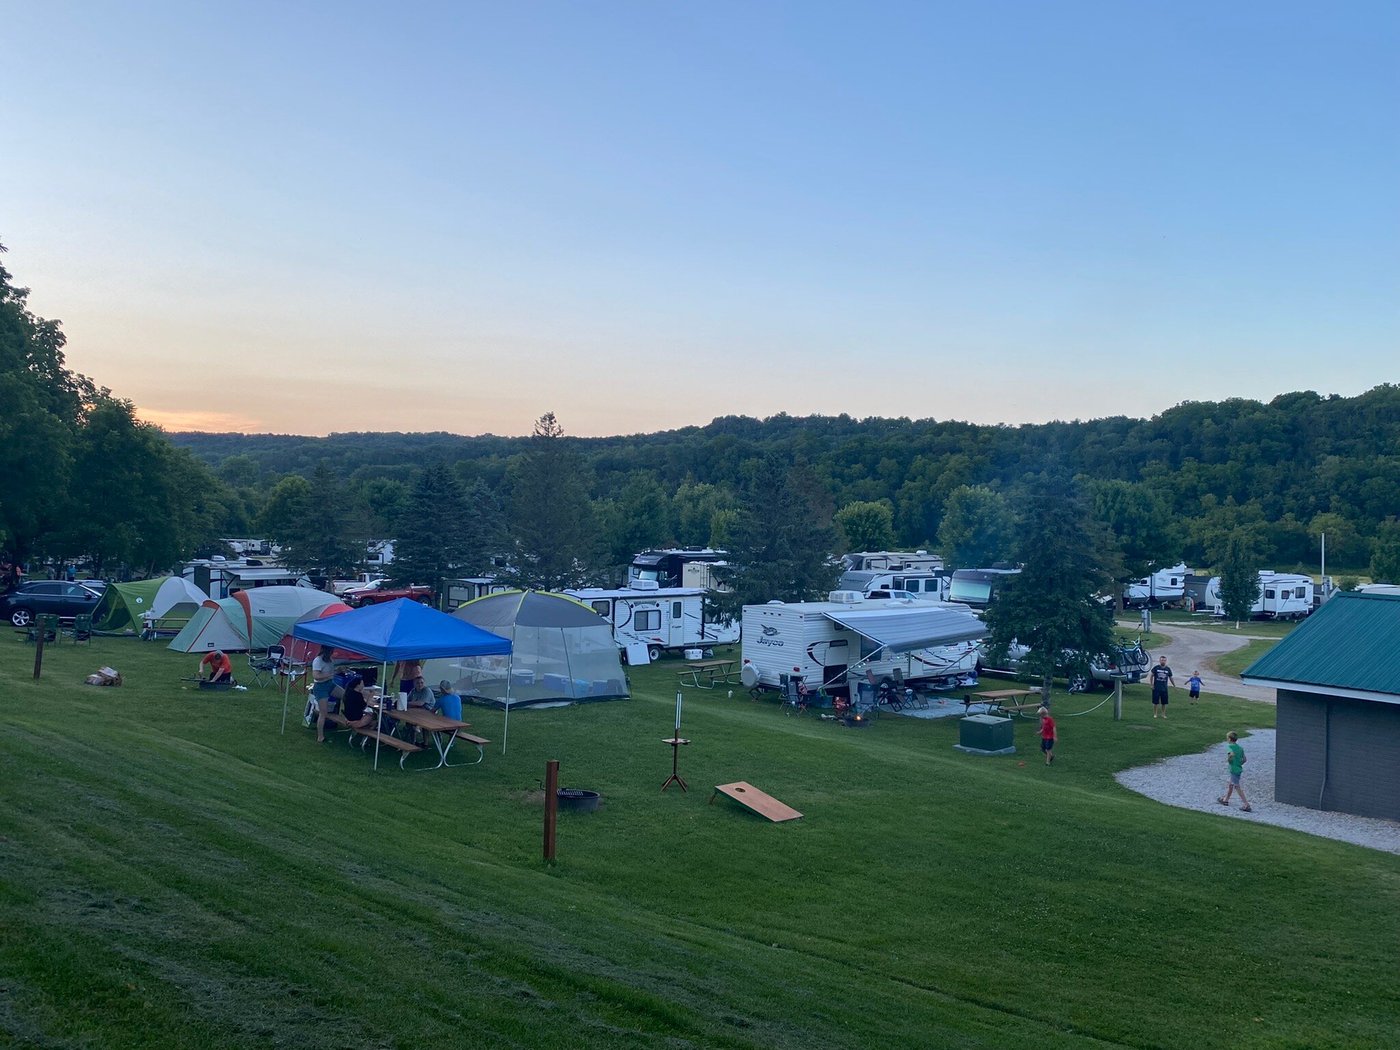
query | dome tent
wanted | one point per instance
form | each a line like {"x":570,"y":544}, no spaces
{"x":126,"y":606}
{"x":562,"y":652}
{"x":249,"y":620}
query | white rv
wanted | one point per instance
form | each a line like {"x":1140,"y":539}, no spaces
{"x":827,"y":643}
{"x":1282,"y":596}
{"x":891,"y":561}
{"x":1163,"y":587}
{"x":675,"y":567}
{"x":647,"y":622}
{"x":977,"y":587}
{"x":220,"y":577}
{"x":928,"y":585}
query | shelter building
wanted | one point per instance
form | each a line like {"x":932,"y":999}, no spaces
{"x":1338,"y":682}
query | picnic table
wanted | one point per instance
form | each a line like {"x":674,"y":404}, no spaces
{"x":443,"y":732}
{"x":706,"y":674}
{"x":997,"y":699}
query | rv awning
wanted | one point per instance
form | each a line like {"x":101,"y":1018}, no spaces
{"x":901,"y":628}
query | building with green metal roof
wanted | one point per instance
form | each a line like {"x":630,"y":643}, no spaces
{"x":1338,"y":682}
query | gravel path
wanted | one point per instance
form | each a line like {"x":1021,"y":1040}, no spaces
{"x":1192,"y":648}
{"x":1196,"y":781}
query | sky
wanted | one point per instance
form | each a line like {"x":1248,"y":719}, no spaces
{"x":324,"y":217}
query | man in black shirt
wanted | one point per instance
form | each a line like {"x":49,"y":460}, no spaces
{"x":1161,"y":678}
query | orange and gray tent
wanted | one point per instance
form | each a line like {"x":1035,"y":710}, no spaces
{"x":254,"y":619}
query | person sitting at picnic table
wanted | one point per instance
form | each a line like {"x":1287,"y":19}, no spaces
{"x":354,"y":706}
{"x":220,"y":667}
{"x":449,"y":704}
{"x":420,"y":695}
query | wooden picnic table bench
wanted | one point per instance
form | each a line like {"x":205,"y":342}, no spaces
{"x":404,"y":747}
{"x":997,"y":699}
{"x":714,"y":672}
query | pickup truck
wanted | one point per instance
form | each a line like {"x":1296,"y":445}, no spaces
{"x":384,"y":591}
{"x":363,"y":580}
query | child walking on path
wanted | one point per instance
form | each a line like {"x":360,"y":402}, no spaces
{"x":1234,"y":758}
{"x":1047,"y":734}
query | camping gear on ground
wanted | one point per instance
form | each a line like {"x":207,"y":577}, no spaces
{"x":105,"y":676}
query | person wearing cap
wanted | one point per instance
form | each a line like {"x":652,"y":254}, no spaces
{"x":449,"y":704}
{"x":219,"y":665}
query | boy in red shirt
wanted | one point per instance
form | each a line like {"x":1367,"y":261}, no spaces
{"x":1047,"y":734}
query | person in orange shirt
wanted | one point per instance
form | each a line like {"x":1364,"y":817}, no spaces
{"x":220,"y":668}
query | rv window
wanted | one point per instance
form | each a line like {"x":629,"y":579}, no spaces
{"x":648,"y":619}
{"x":1269,"y":594}
{"x":675,"y":610}
{"x":970,"y":591}
{"x":899,"y":584}
{"x":1301,"y":592}
{"x":602,"y":609}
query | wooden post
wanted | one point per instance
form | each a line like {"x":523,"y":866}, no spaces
{"x":551,"y":806}
{"x":1117,"y":698}
{"x":39,"y":651}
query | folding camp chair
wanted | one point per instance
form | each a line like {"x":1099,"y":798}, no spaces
{"x":82,"y":628}
{"x":265,"y":667}
{"x":45,"y":625}
{"x":794,"y":696}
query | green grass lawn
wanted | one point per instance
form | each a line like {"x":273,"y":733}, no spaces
{"x":1258,"y":628}
{"x":174,"y":872}
{"x":1237,"y":660}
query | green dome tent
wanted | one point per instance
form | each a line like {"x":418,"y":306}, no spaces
{"x":127,"y":606}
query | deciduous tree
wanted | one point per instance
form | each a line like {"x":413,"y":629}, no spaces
{"x":866,"y":526}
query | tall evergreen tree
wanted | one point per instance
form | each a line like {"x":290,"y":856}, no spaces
{"x":551,"y":519}
{"x":432,"y":542}
{"x":1053,"y":605}
{"x":781,"y":544}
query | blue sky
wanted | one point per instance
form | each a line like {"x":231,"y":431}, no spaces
{"x":323,"y":217}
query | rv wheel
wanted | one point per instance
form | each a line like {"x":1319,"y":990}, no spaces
{"x":654,"y":653}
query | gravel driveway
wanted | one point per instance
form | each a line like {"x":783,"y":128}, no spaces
{"x":1191,"y":649}
{"x":1196,"y":781}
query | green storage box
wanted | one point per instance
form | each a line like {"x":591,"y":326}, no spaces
{"x":986,"y":735}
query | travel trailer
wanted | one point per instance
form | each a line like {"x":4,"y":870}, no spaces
{"x":676,"y":567}
{"x":891,"y":561}
{"x":1201,"y":592}
{"x":220,"y":577}
{"x":457,"y":592}
{"x":929,"y":585}
{"x":649,"y":621}
{"x":1163,"y":587}
{"x":833,"y":642}
{"x":977,"y":587}
{"x":1282,"y":596}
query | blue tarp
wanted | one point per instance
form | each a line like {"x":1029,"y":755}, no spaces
{"x":401,"y":630}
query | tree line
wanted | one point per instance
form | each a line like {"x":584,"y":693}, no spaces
{"x":84,"y":478}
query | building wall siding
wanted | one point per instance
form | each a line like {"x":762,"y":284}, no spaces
{"x":1358,"y":753}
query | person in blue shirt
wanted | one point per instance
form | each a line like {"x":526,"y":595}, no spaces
{"x":449,"y":704}
{"x":1195,"y":683}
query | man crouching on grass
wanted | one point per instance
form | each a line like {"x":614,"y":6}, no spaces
{"x":1047,"y":734}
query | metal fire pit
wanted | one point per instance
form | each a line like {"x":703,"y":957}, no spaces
{"x":578,"y":799}
{"x":857,"y":721}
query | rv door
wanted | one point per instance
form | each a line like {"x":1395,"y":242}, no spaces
{"x":675,"y":624}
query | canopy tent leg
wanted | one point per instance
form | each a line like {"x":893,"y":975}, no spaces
{"x":379,"y":722}
{"x":510,"y":677}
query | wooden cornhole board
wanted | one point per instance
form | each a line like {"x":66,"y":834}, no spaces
{"x":752,"y":799}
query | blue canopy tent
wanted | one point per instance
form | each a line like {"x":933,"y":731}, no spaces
{"x":399,"y":630}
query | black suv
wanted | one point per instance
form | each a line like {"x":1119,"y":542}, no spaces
{"x":33,"y":599}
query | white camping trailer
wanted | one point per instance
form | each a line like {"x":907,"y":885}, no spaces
{"x":891,"y":561}
{"x":1282,"y":596}
{"x":977,"y":587}
{"x":675,"y":567}
{"x":928,"y":585}
{"x":654,"y":620}
{"x":828,"y":642}
{"x":1161,"y":588}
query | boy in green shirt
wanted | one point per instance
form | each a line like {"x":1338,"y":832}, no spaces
{"x":1234,"y":758}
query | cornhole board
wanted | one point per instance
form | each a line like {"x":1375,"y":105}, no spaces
{"x":756,"y":801}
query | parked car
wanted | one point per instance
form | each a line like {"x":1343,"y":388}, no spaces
{"x":1126,"y":661}
{"x":37,"y":597}
{"x":383,"y":591}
